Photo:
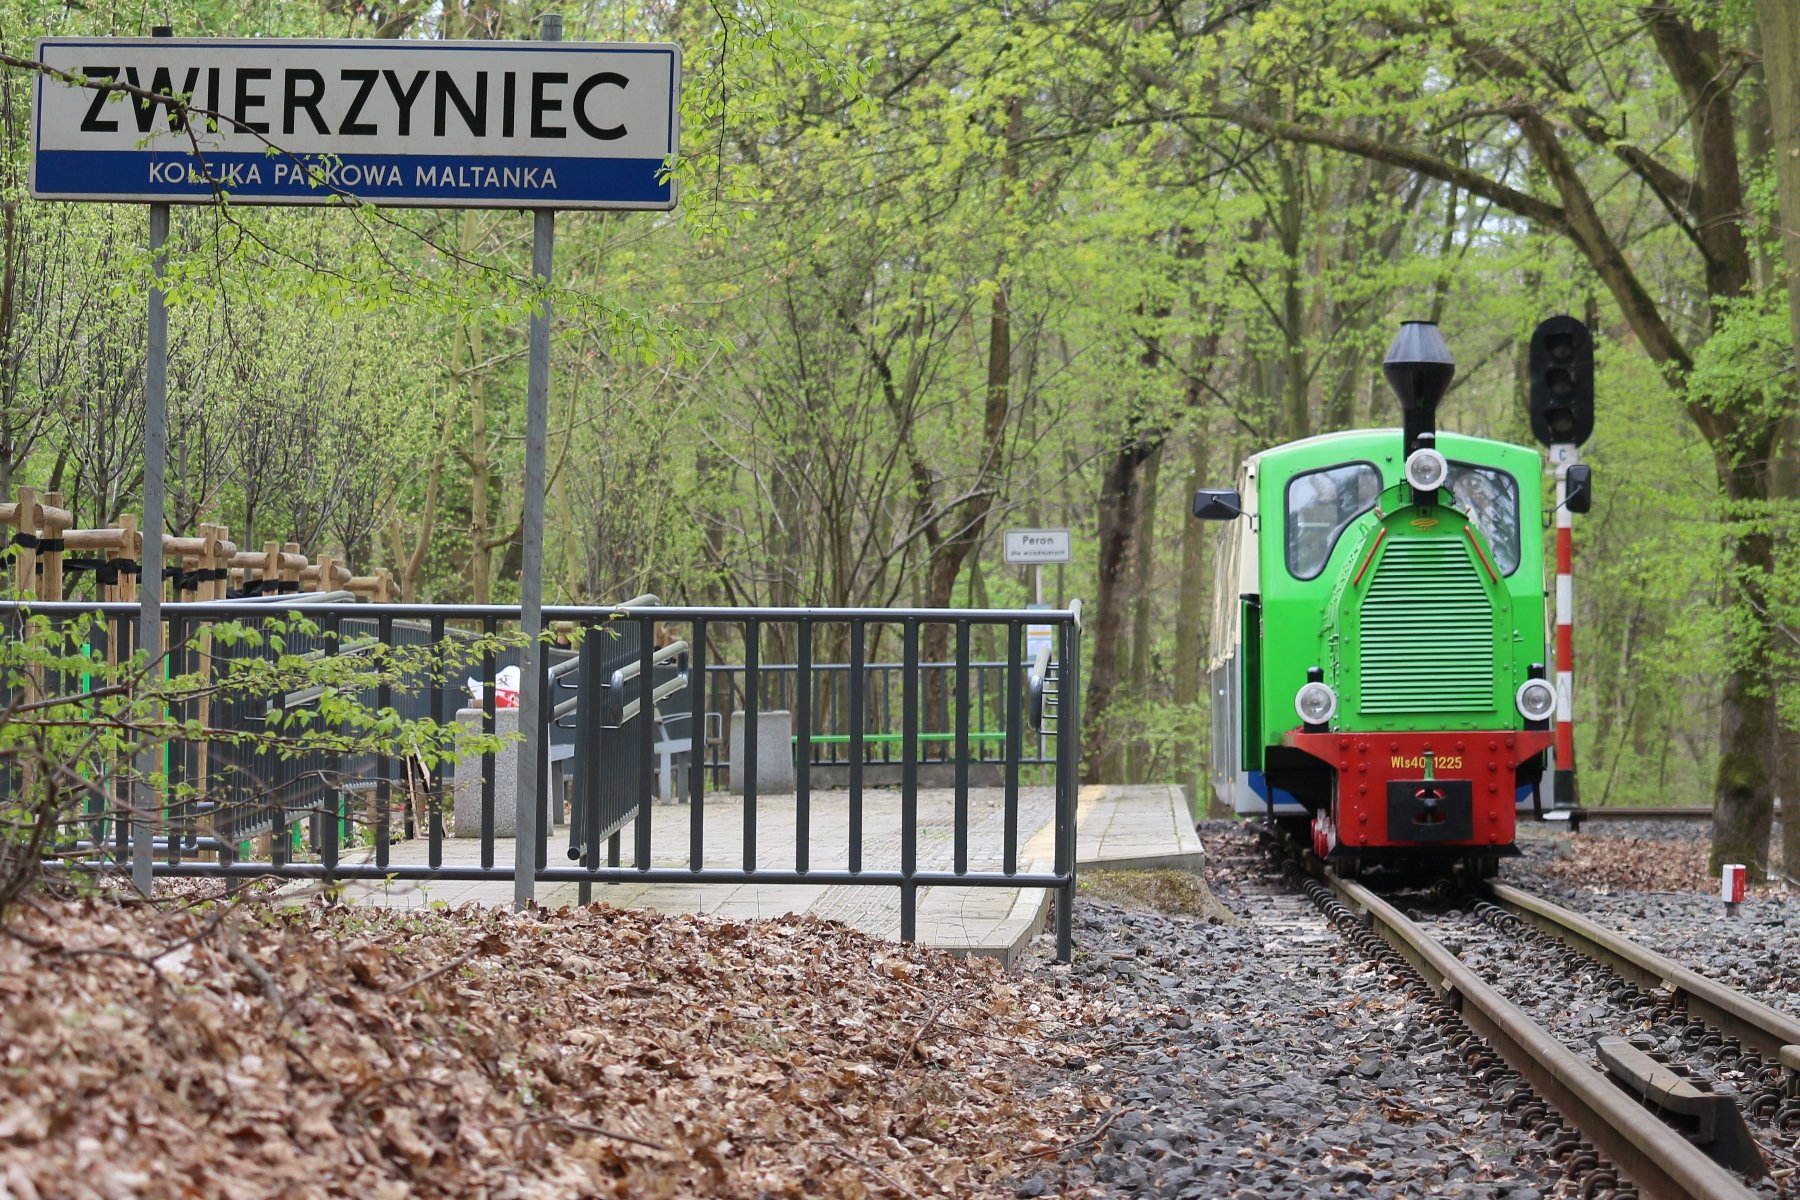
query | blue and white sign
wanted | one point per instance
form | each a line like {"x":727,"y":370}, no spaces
{"x":411,"y":124}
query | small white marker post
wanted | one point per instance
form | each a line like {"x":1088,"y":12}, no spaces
{"x":1731,"y":887}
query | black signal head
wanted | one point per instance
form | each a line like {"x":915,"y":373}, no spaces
{"x":1562,"y":382}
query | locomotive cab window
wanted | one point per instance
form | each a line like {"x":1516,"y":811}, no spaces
{"x":1491,"y":500}
{"x":1321,"y":505}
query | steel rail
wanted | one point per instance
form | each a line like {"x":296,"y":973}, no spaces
{"x":1663,"y":1165}
{"x":1766,"y":1030}
{"x":1701,"y":812}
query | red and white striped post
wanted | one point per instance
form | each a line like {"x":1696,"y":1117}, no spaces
{"x":1731,"y":887}
{"x":1563,"y":794}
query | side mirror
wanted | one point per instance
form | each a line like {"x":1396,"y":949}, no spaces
{"x":1218,"y":504}
{"x":1578,"y":488}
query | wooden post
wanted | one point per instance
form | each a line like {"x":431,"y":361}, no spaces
{"x":131,"y":546}
{"x":27,"y":519}
{"x":292,"y":566}
{"x":377,"y":588}
{"x":326,"y":575}
{"x":57,"y":520}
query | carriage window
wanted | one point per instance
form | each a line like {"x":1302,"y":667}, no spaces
{"x":1320,"y":506}
{"x":1491,"y":499}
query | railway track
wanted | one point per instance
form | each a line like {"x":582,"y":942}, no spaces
{"x":1680,"y":1037}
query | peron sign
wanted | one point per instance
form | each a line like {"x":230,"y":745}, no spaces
{"x":1038,"y":546}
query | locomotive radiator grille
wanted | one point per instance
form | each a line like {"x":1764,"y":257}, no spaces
{"x":1427,"y":632}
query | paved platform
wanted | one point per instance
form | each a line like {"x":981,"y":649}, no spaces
{"x":1118,"y":827}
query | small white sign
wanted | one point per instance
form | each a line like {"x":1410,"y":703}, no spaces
{"x":1038,"y":546}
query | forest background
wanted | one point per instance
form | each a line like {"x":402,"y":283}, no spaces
{"x":941,"y":268}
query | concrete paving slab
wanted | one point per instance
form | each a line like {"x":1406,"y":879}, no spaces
{"x":1118,"y":827}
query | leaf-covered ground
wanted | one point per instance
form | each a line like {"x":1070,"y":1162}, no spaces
{"x":319,"y":1052}
{"x":1616,"y":862}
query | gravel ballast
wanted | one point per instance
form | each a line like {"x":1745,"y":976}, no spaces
{"x":1756,"y":951}
{"x":1267,"y":1058}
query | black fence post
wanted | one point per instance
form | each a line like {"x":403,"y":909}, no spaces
{"x":541,"y":801}
{"x":443,"y":715}
{"x":384,"y":630}
{"x":752,"y":699}
{"x":856,"y":745}
{"x":909,"y":779}
{"x":646,"y":746}
{"x":489,"y":629}
{"x":1068,"y":762}
{"x":180,"y":753}
{"x":803,"y":696}
{"x":697,"y":748}
{"x":1015,"y":748}
{"x":961,"y":700}
{"x":584,"y":809}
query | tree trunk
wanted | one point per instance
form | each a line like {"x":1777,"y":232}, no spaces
{"x":1191,"y":630}
{"x":1743,"y":790}
{"x":1143,"y":584}
{"x":968,"y":521}
{"x":1778,"y":21}
{"x":1292,"y":365}
{"x":1787,"y":790}
{"x":1119,"y":497}
{"x":9,"y":280}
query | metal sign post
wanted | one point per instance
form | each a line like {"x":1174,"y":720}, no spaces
{"x":1561,"y":360}
{"x":1562,"y":791}
{"x":1037,"y":547}
{"x":532,"y":702}
{"x":156,"y":455}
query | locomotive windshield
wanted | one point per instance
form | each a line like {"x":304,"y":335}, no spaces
{"x":1321,"y":505}
{"x":1491,"y":500}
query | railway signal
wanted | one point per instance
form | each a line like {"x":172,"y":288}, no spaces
{"x":1562,"y":418}
{"x":1562,"y":382}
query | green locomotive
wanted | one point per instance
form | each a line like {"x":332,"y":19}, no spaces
{"x":1378,"y":639}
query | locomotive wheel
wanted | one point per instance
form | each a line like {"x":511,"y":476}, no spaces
{"x":1480,"y":866}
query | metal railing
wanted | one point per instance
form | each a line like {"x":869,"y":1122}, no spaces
{"x":308,"y":807}
{"x":881,"y":693}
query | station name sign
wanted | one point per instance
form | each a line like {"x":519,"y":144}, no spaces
{"x":1037,"y":546}
{"x":419,"y":124}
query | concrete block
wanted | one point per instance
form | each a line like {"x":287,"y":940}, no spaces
{"x":774,"y":753}
{"x":466,"y":817}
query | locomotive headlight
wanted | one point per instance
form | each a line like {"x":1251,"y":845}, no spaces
{"x":1316,"y":703}
{"x":1426,"y":469}
{"x":1536,"y":699}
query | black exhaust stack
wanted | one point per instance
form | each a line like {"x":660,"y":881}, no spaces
{"x":1419,"y":369}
